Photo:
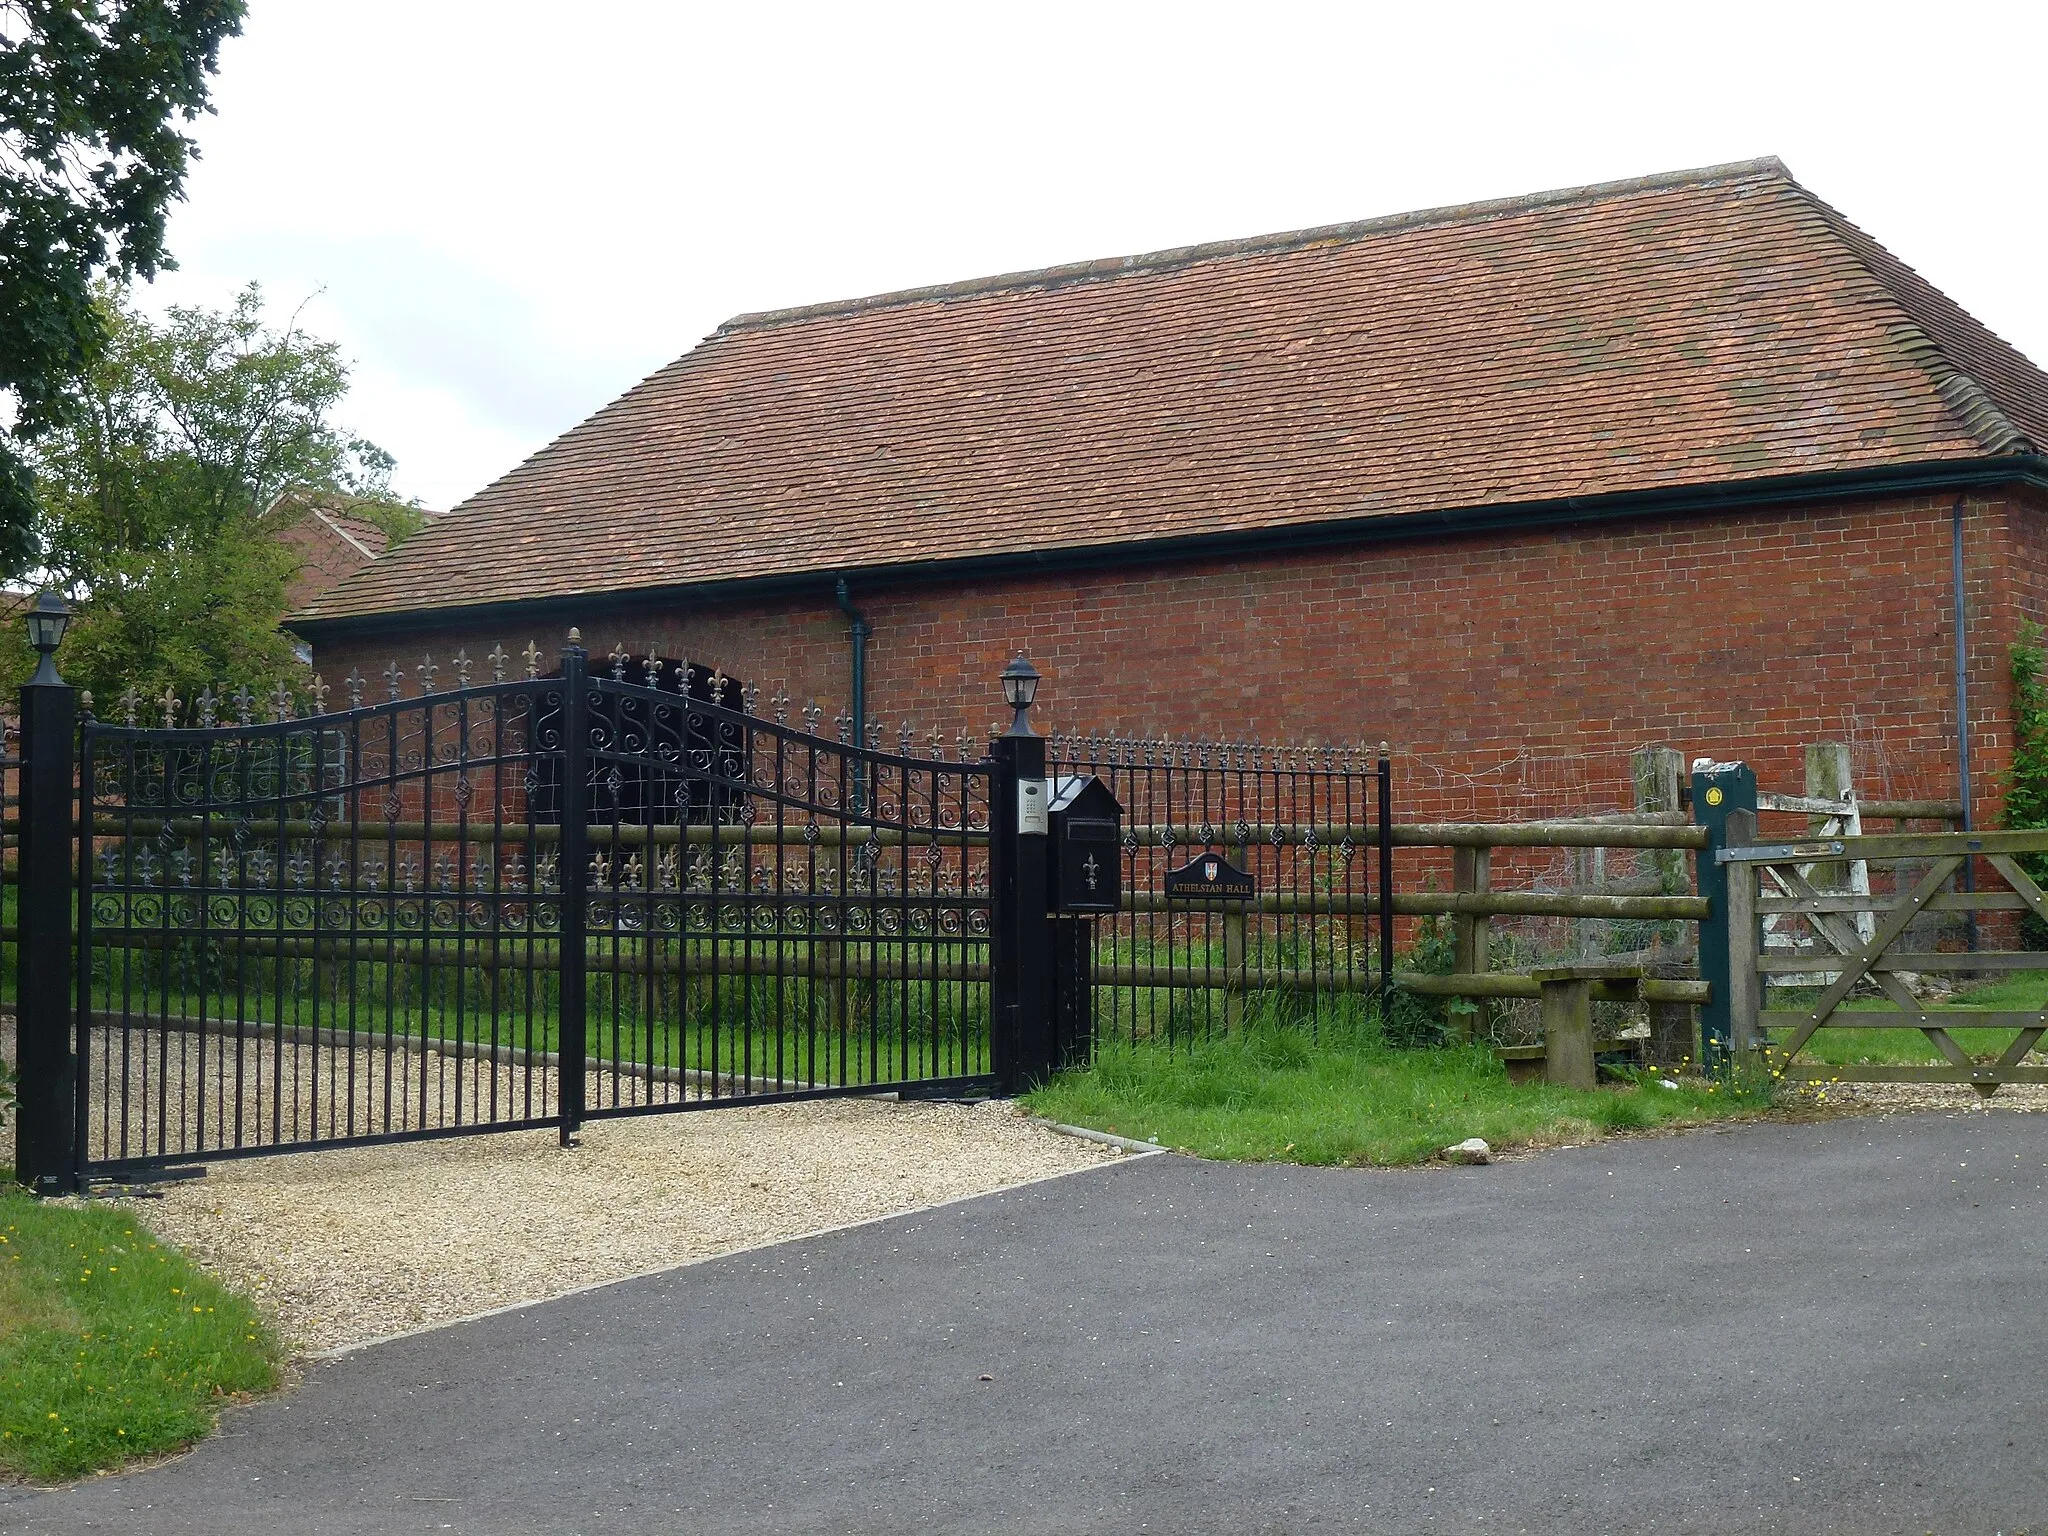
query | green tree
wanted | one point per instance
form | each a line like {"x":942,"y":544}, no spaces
{"x":91,"y":159}
{"x":199,"y":437}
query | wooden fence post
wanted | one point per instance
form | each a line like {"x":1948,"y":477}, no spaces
{"x":1674,"y":1027}
{"x":1233,"y":967}
{"x":1472,"y":935}
{"x":1744,"y":988}
{"x":1828,"y":778}
{"x":1567,"y":1027}
{"x":1657,"y":772}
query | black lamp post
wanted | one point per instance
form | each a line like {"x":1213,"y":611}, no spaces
{"x":1020,"y":687}
{"x":1021,"y":1035}
{"x":47,"y":621}
{"x":45,"y":1152}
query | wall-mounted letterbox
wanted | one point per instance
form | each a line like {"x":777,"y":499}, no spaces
{"x":1087,"y":827}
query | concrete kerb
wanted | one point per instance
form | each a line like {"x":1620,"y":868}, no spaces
{"x":1124,"y":1143}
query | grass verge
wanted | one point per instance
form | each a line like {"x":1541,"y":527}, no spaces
{"x":1273,"y":1093}
{"x":112,"y":1345}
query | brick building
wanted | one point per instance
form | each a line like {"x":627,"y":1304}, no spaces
{"x":1681,"y":460}
{"x":332,"y":540}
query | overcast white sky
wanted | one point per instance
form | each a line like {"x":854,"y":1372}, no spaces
{"x":511,"y":212}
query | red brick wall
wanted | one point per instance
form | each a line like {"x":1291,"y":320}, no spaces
{"x":1512,"y":673}
{"x":325,"y":558}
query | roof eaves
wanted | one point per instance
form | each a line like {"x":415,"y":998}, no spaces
{"x":1767,"y":167}
{"x":1968,"y":400}
{"x":1808,"y":488}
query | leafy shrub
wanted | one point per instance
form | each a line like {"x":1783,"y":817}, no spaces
{"x":2026,"y":781}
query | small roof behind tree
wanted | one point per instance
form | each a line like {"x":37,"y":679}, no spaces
{"x":1698,"y":329}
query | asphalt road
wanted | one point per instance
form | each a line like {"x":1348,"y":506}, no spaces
{"x":1811,"y":1328}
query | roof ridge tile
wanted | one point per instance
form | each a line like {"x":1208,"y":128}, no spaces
{"x":1766,"y":167}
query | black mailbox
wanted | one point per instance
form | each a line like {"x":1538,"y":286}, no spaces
{"x":1087,"y":827}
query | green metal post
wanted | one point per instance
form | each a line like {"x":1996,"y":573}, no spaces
{"x":1718,"y":790}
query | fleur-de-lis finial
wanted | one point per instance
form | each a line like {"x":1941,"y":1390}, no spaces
{"x":394,"y":677}
{"x":170,"y":706}
{"x":426,"y":671}
{"x":780,"y":705}
{"x":462,"y":666}
{"x":244,"y":703}
{"x":650,"y":664}
{"x":718,"y":682}
{"x":497,"y":659}
{"x":904,"y":738}
{"x":131,"y":705}
{"x":812,"y":714}
{"x":206,"y":707}
{"x":354,"y":683}
{"x":937,"y":739}
{"x":620,"y":656}
{"x":281,"y":702}
{"x":320,"y":692}
{"x":843,"y":724}
{"x":532,"y":655}
{"x":750,"y":698}
{"x":874,"y":742}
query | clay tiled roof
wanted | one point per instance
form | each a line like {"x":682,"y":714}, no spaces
{"x":333,"y":540}
{"x":1684,"y":331}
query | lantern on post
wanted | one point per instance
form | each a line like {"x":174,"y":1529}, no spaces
{"x":47,"y":620}
{"x":1020,"y":688}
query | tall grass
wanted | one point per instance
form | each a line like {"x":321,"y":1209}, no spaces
{"x":1348,"y":1095}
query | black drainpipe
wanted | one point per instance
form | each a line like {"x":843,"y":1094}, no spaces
{"x":861,"y":631}
{"x":1962,"y":673}
{"x":1969,"y":880}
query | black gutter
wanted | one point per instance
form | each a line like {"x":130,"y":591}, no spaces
{"x":1782,"y":490}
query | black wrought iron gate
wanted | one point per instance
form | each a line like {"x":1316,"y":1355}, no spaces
{"x":513,"y":903}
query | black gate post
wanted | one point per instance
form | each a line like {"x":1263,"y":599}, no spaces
{"x":1021,"y":1044}
{"x":45,"y":1155}
{"x":572,"y":1046}
{"x":1384,"y":781}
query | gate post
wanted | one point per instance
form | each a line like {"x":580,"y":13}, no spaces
{"x":46,"y":1150}
{"x":1745,"y":1038}
{"x":1718,"y":791}
{"x":572,"y":1044}
{"x":1022,"y":1049}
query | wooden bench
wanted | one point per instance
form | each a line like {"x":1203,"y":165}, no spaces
{"x":1566,"y":1056}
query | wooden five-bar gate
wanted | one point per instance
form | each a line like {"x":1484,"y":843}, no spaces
{"x":1873,"y":953}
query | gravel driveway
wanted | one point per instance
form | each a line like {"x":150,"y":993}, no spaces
{"x":356,"y":1244}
